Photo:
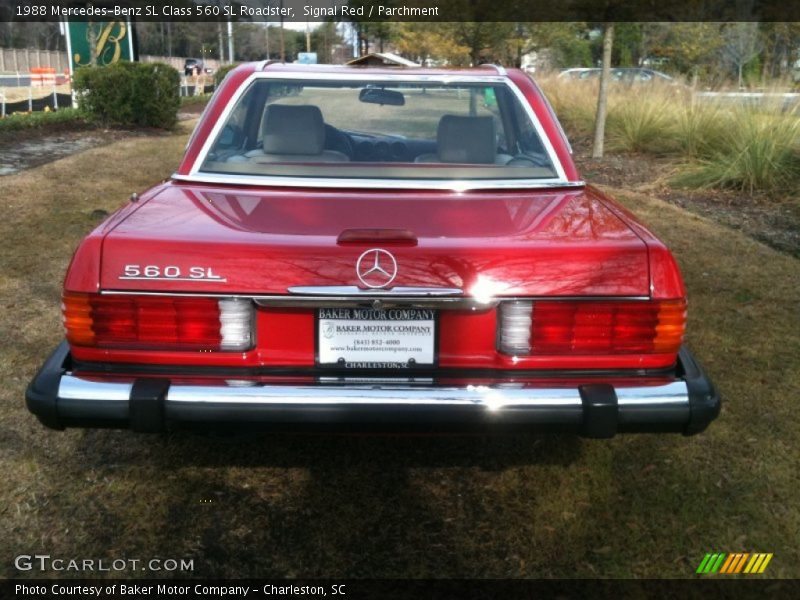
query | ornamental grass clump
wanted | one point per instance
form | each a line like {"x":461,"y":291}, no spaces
{"x":643,"y":120}
{"x":759,"y":151}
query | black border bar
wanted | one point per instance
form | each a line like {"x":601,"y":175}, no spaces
{"x":701,"y":587}
{"x":514,"y":11}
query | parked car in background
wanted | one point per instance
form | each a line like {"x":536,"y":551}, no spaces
{"x":621,"y":75}
{"x":193,"y":66}
{"x":574,"y":73}
{"x":379,"y":248}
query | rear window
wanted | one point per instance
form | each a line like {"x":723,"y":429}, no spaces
{"x":391,"y":129}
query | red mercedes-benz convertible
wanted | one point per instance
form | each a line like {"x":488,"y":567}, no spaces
{"x":375,"y":248}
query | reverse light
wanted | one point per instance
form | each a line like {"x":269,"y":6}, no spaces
{"x":158,"y":322}
{"x":591,"y":327}
{"x":515,"y":332}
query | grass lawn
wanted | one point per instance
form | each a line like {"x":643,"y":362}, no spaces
{"x":517,"y":506}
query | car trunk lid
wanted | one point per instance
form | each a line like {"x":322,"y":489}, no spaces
{"x":234,"y":240}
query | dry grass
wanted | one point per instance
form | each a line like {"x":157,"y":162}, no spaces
{"x":518,"y":506}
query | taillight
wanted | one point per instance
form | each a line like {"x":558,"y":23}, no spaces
{"x":558,"y":327}
{"x":158,"y":322}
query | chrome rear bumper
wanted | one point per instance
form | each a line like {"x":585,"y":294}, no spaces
{"x":686,"y":403}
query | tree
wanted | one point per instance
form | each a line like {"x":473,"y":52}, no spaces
{"x":323,"y":41}
{"x":742,"y":46}
{"x":780,"y":43}
{"x":568,"y":44}
{"x":690,"y":48}
{"x":430,"y":42}
{"x":602,"y":96}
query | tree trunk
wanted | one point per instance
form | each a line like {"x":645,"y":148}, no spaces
{"x":602,"y":97}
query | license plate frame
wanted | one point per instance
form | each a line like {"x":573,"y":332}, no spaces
{"x":423,"y":317}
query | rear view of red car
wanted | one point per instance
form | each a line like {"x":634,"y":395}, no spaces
{"x":375,"y":248}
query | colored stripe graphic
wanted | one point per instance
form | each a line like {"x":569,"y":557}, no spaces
{"x":738,"y":562}
{"x":704,"y":564}
{"x":710,"y":563}
{"x":727,"y":565}
{"x":755,"y":562}
{"x":764,"y":564}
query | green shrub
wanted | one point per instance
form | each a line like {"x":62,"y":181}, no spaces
{"x":222,"y":72}
{"x":129,"y":94}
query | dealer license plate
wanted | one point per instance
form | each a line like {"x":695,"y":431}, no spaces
{"x":365,"y":338}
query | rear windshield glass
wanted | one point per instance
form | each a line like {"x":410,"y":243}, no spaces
{"x":397,"y":130}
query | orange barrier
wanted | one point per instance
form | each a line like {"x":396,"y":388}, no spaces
{"x":43,"y":76}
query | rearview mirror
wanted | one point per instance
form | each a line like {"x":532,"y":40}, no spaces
{"x":375,"y":95}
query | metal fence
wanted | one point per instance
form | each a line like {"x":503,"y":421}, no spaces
{"x":22,"y":60}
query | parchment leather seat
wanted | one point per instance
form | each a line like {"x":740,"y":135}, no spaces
{"x":292,"y":134}
{"x":466,"y":140}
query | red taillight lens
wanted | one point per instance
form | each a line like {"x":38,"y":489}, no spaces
{"x":156,"y":322}
{"x":588,"y":327}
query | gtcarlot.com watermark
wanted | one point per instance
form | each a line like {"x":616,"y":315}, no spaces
{"x":48,"y":563}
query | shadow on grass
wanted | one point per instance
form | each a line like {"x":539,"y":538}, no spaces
{"x":301,"y":505}
{"x":325,"y":450}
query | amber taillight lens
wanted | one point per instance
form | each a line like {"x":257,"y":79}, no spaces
{"x":592,"y":327}
{"x":158,"y":322}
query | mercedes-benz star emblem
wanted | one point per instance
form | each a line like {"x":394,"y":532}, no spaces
{"x":376,"y":268}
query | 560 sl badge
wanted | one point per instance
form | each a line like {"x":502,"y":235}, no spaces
{"x":170,"y":273}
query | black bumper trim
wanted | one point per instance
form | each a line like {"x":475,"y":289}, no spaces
{"x":41,"y":397}
{"x":146,"y":405}
{"x":600,"y":410}
{"x":704,"y":401}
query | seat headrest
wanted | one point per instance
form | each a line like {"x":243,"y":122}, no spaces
{"x":293,"y":130}
{"x":466,"y":140}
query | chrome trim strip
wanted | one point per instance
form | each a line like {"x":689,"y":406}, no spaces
{"x":76,"y":388}
{"x":401,"y":184}
{"x":501,"y":70}
{"x":427,"y":301}
{"x":462,"y":185}
{"x":490,"y":397}
{"x":673,"y":393}
{"x":377,"y":299}
{"x":346,"y":290}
